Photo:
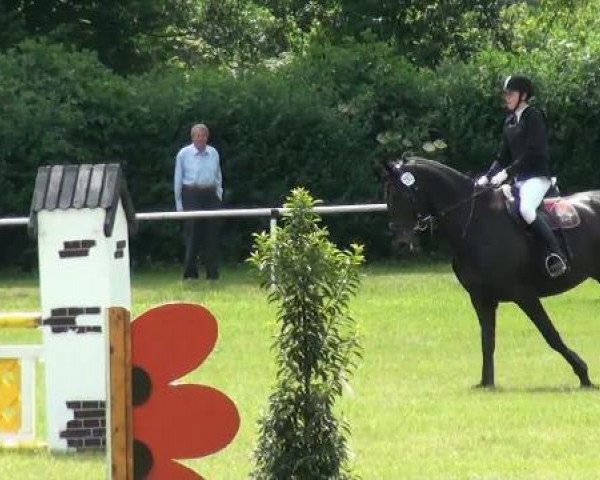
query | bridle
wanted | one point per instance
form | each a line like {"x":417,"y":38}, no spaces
{"x":423,"y":222}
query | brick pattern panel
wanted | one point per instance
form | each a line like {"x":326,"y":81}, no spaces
{"x":64,"y":319}
{"x":76,"y":248}
{"x":119,"y":252}
{"x":87,"y":430}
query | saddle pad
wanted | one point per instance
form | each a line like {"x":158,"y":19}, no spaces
{"x":562,"y":213}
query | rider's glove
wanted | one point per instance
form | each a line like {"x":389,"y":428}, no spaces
{"x":499,"y":178}
{"x":482,"y":181}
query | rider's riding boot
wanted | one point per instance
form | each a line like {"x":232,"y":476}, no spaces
{"x":556,"y":263}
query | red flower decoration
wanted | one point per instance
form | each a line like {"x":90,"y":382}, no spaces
{"x":175,"y":421}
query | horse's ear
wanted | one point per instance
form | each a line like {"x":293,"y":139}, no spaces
{"x":390,"y":167}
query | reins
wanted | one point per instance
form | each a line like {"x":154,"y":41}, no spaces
{"x":423,"y":222}
{"x":471,"y":197}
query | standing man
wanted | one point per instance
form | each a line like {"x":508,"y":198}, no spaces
{"x":198,"y":185}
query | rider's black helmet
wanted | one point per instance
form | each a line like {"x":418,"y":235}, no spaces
{"x":519,"y":83}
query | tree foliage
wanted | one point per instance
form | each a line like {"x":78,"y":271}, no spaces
{"x":132,"y":35}
{"x":124,"y":33}
{"x":312,"y":282}
{"x":421,"y":30}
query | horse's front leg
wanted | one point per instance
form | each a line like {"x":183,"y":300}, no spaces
{"x":532,"y":306}
{"x":485,"y":308}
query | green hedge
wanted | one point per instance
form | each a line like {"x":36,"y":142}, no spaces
{"x":323,"y":121}
{"x":64,"y":107}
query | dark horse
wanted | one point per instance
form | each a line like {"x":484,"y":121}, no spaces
{"x":496,"y":260}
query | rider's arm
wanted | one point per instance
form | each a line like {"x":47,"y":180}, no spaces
{"x":502,"y":158}
{"x":498,"y":164}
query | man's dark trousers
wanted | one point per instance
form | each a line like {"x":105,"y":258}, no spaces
{"x":201,"y":234}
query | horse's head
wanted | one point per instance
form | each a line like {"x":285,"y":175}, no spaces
{"x":406,"y":207}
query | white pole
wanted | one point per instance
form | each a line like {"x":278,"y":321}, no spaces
{"x":238,"y":212}
{"x":273,"y":231}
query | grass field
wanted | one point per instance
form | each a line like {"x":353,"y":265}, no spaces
{"x":411,"y":408}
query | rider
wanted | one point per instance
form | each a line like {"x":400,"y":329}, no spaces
{"x":525,"y":155}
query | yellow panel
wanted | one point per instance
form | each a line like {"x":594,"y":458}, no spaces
{"x":20,"y":320}
{"x":10,"y":395}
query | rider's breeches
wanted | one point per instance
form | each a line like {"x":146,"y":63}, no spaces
{"x":531,"y":194}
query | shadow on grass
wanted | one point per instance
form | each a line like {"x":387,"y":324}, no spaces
{"x":37,"y":451}
{"x":407,"y":267}
{"x":230,"y":275}
{"x":540,"y":389}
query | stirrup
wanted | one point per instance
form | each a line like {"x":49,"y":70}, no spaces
{"x":555,"y":265}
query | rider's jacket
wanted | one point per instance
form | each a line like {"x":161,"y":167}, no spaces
{"x":525,"y":152}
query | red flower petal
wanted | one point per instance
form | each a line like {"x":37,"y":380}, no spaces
{"x":179,"y":421}
{"x":186,"y":421}
{"x":172,"y":340}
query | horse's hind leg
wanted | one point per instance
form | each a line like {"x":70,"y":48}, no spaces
{"x":535,"y":311}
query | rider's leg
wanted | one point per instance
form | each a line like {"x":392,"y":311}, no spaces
{"x":531,"y":193}
{"x":556,"y":263}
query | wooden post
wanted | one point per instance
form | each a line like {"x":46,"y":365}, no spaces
{"x":120,"y":448}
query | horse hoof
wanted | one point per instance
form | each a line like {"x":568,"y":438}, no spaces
{"x":590,"y":385}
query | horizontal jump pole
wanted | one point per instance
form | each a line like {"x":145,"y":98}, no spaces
{"x":20,"y":319}
{"x":257,"y":212}
{"x":229,"y":213}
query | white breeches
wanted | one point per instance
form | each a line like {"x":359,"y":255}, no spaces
{"x":531,"y":194}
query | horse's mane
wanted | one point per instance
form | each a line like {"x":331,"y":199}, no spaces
{"x":433,"y":165}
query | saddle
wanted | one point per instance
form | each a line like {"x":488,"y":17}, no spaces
{"x":560,"y":213}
